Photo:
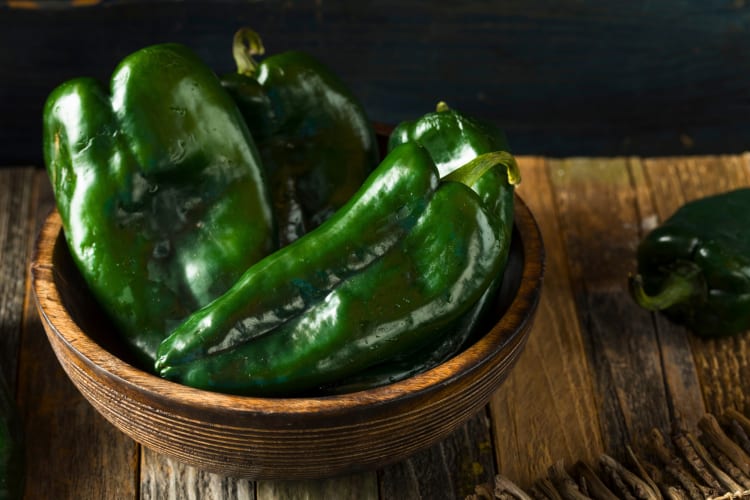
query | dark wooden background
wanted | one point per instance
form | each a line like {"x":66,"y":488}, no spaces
{"x":563,"y":77}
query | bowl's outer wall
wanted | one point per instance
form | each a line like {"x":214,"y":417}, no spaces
{"x":276,"y":438}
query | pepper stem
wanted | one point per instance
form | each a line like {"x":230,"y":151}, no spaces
{"x":471,"y":172}
{"x":442,"y":106}
{"x":246,"y":44}
{"x":684,"y":282}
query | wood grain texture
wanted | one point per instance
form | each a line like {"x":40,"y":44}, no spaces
{"x":353,"y":487}
{"x":680,"y":376}
{"x":545,"y":411}
{"x":165,"y":479}
{"x":71,"y":451}
{"x":447,"y":470}
{"x":597,"y":210}
{"x":16,"y":223}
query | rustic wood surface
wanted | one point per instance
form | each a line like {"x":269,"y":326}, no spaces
{"x":597,"y":374}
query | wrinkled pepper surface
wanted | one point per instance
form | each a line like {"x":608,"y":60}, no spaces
{"x":159,"y":187}
{"x":315,"y":140}
{"x":417,"y":254}
{"x":451,"y":138}
{"x":695,"y":267}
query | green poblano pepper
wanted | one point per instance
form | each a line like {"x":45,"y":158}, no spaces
{"x":315,"y":140}
{"x":288,"y":282}
{"x":451,"y":138}
{"x":695,"y":267}
{"x":441,"y":256}
{"x":159,"y":187}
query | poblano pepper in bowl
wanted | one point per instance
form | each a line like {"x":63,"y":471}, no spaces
{"x":314,"y":137}
{"x":402,"y":263}
{"x":451,"y":138}
{"x":695,"y":267}
{"x":160,"y":190}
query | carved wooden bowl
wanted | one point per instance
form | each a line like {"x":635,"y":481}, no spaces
{"x":294,"y":438}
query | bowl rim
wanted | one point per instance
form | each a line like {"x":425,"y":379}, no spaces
{"x":173,"y":393}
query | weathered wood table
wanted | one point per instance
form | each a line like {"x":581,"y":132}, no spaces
{"x":598,"y":373}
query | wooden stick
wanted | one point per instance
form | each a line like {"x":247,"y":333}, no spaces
{"x":724,"y":478}
{"x":548,"y":489}
{"x":675,"y":467}
{"x":728,"y":496}
{"x":711,"y":429}
{"x":640,"y":489}
{"x":505,"y":486}
{"x":564,"y":483}
{"x":725,"y":463}
{"x":741,"y":419}
{"x":676,"y":493}
{"x":644,"y":475}
{"x":685,"y":447}
{"x":739,"y":435}
{"x":594,"y":485}
{"x":536,"y":493}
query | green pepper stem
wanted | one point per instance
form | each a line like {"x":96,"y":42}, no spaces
{"x":682,"y":284}
{"x":246,"y":44}
{"x":442,"y":106}
{"x":471,"y":172}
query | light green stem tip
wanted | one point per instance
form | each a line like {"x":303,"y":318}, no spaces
{"x":471,"y":172}
{"x":442,"y":106}
{"x":246,"y":44}
{"x":680,"y":286}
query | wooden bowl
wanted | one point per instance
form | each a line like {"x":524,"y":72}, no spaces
{"x":293,"y":438}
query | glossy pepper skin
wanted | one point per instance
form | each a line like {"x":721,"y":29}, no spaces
{"x":437,"y":267}
{"x":450,"y":137}
{"x":294,"y":278}
{"x":159,"y":187}
{"x":695,"y":267}
{"x":315,"y":140}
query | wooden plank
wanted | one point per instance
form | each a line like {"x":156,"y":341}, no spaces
{"x":447,"y":470}
{"x":163,"y":478}
{"x":599,"y":217}
{"x":681,"y":378}
{"x":723,"y":365}
{"x":352,"y":487}
{"x":16,"y":224}
{"x":71,"y":451}
{"x":545,"y":411}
